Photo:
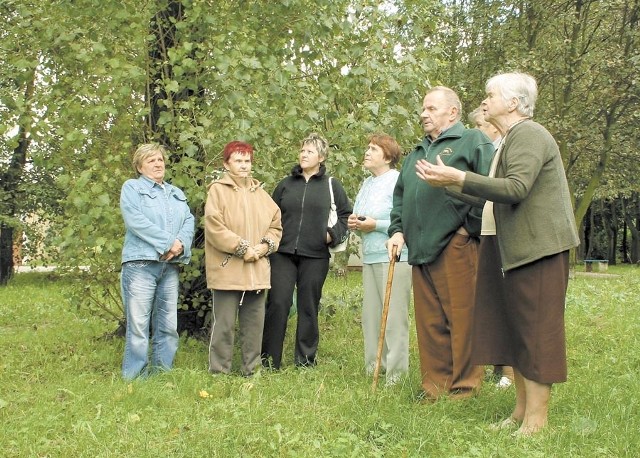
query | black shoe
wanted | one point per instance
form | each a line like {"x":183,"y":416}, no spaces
{"x":267,"y":363}
{"x":306,"y":363}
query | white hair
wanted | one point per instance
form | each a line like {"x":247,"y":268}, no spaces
{"x":520,"y":86}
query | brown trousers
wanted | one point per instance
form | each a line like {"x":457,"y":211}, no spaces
{"x":444,"y":301}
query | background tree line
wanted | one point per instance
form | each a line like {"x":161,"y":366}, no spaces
{"x":83,"y":83}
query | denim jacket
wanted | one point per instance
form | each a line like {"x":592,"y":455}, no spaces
{"x":154,"y":218}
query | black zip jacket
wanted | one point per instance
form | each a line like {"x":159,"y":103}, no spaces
{"x":305,"y":211}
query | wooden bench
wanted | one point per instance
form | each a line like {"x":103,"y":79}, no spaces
{"x":603,"y":265}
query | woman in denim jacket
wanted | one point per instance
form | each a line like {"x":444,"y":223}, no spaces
{"x":159,"y":230}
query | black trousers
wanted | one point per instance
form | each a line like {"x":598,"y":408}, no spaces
{"x":308,"y":275}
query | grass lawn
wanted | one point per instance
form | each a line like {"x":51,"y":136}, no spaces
{"x":61,"y":394}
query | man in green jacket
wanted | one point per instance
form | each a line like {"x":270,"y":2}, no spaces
{"x":441,"y":233}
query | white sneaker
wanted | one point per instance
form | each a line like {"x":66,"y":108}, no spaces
{"x":504,"y":382}
{"x":393,"y":379}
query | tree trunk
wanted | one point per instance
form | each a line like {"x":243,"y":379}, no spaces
{"x":612,"y":233}
{"x":582,"y":204}
{"x":10,"y":180}
{"x":588,"y":234}
{"x":6,"y":253}
{"x":635,"y":244}
{"x":624,"y":248}
{"x":163,"y":28}
{"x":634,"y":252}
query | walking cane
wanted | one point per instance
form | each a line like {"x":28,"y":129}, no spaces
{"x":385,"y":314}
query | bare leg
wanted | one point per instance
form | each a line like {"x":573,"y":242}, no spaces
{"x":537,"y":407}
{"x":507,"y":371}
{"x":521,"y":396}
{"x":518,"y":414}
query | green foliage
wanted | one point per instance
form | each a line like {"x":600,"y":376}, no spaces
{"x":584,"y":55}
{"x":61,"y":393}
{"x":268,"y":76}
{"x":275,"y":71}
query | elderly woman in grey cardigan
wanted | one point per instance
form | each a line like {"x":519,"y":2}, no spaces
{"x":519,"y":317}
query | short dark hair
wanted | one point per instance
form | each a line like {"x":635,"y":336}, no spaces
{"x":389,"y":146}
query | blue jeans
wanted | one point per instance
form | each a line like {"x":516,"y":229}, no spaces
{"x":150,"y":297}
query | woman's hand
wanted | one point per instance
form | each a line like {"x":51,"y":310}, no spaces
{"x":439,"y":175}
{"x":251,"y":255}
{"x":176,"y":250}
{"x":366,"y":224}
{"x":261,"y":249}
{"x":352,"y":221}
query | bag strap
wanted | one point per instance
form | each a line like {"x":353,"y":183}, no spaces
{"x":333,"y":204}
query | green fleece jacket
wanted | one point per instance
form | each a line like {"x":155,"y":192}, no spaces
{"x":532,"y":204}
{"x":427,"y":216}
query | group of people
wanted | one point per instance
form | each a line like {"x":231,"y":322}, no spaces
{"x":479,"y":219}
{"x":254,"y":243}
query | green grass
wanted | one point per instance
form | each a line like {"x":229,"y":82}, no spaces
{"x":61,"y":394}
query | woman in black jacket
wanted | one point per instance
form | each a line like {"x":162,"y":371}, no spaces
{"x":302,"y":260}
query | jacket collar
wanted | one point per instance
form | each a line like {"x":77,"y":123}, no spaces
{"x":236,"y":183}
{"x":296,"y":171}
{"x":455,"y":131}
{"x":148,"y":182}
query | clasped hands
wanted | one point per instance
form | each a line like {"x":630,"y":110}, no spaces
{"x":361,"y":223}
{"x":175,"y":251}
{"x":255,"y":252}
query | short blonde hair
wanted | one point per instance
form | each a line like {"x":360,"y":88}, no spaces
{"x":145,"y":151}
{"x":319,"y":142}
